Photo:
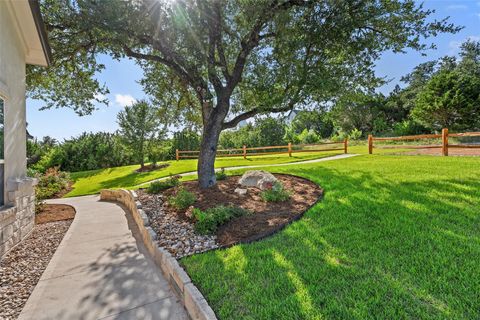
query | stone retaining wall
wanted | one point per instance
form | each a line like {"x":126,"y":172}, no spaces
{"x":17,"y":218}
{"x":192,"y":299}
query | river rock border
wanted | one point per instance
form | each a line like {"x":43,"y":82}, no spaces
{"x":192,"y":299}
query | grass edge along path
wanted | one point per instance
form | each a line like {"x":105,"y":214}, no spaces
{"x":395,"y":237}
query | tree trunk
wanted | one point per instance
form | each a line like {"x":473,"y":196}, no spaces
{"x":142,"y":156}
{"x":208,"y":152}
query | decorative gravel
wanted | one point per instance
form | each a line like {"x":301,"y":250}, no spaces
{"x":175,"y":234}
{"x":22,"y":267}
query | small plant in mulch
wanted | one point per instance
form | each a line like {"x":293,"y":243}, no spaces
{"x":221,"y":175}
{"x":209,"y":220}
{"x":182,"y":199}
{"x":159,"y":186}
{"x":275,"y":193}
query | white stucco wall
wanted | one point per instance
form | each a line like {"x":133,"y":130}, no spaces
{"x":12,"y":87}
{"x":17,"y":217}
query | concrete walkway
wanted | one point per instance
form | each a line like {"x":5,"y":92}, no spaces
{"x":192,"y":173}
{"x":100,"y":271}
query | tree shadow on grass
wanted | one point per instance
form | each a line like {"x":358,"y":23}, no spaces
{"x":373,"y":248}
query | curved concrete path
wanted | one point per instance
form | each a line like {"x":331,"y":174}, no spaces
{"x":192,"y":173}
{"x":100,"y":271}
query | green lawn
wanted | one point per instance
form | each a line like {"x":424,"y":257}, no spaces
{"x":395,"y":237}
{"x":91,"y":182}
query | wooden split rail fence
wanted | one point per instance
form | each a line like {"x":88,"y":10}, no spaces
{"x":444,"y":146}
{"x":260,"y":151}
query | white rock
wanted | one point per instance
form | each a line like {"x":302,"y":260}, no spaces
{"x":241,"y":191}
{"x":257,"y":178}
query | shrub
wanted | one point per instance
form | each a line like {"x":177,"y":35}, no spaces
{"x":158,"y":186}
{"x":308,"y":136}
{"x":185,"y":140}
{"x":276,"y":194}
{"x":355,"y":134}
{"x":182,"y":200}
{"x":339,"y":136}
{"x":209,"y":220}
{"x":51,"y":183}
{"x":408,"y":127}
{"x":160,"y":151}
{"x":87,"y":151}
{"x":221,"y":175}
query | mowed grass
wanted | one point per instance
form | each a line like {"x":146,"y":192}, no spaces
{"x":91,"y":182}
{"x":395,"y":237}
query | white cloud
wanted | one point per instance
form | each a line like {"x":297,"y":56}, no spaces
{"x":455,"y":45}
{"x":100,"y":96}
{"x":457,"y":7}
{"x":124,"y":100}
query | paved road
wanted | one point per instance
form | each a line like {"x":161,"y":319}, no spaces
{"x":191,"y":173}
{"x":100,"y":271}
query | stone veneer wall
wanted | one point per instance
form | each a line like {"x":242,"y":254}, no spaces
{"x":191,"y":298}
{"x":17,"y":217}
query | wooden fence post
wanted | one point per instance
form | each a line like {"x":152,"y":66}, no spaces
{"x":345,"y":145}
{"x":370,"y":144}
{"x":244,"y":152}
{"x":445,"y":141}
{"x":289,"y":149}
{"x":177,"y":154}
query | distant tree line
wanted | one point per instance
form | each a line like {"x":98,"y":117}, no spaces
{"x":444,"y":93}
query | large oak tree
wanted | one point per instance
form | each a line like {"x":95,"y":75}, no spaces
{"x":226,"y":61}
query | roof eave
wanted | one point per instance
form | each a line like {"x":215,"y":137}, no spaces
{"x":42,"y":32}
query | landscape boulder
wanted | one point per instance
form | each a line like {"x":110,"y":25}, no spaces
{"x":240,"y":191}
{"x":257,"y":178}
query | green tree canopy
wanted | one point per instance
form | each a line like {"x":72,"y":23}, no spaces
{"x":226,"y":61}
{"x":447,"y":92}
{"x":450,"y":99}
{"x":139,"y":124}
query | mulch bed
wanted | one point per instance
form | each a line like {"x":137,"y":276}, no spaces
{"x":267,"y":217}
{"x":22,"y":267}
{"x":150,"y":167}
{"x":55,"y":212}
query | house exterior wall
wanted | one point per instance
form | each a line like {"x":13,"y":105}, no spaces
{"x":17,"y":216}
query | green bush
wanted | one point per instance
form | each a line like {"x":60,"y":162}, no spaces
{"x":182,"y":200}
{"x":184,"y":140}
{"x":209,"y":220}
{"x":87,"y":151}
{"x":160,"y":151}
{"x":276,"y":194}
{"x":52,"y":182}
{"x":408,"y":127}
{"x":339,"y":136}
{"x":355,"y":134}
{"x":221,"y":175}
{"x":158,"y":186}
{"x":308,"y":136}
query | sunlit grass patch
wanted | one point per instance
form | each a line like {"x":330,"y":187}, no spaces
{"x":395,"y":237}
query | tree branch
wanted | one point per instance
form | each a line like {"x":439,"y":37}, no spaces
{"x":219,"y":43}
{"x":213,"y":20}
{"x":150,"y":57}
{"x":249,"y":114}
{"x":250,"y":41}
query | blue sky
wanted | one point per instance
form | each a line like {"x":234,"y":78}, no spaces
{"x":121,"y":77}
